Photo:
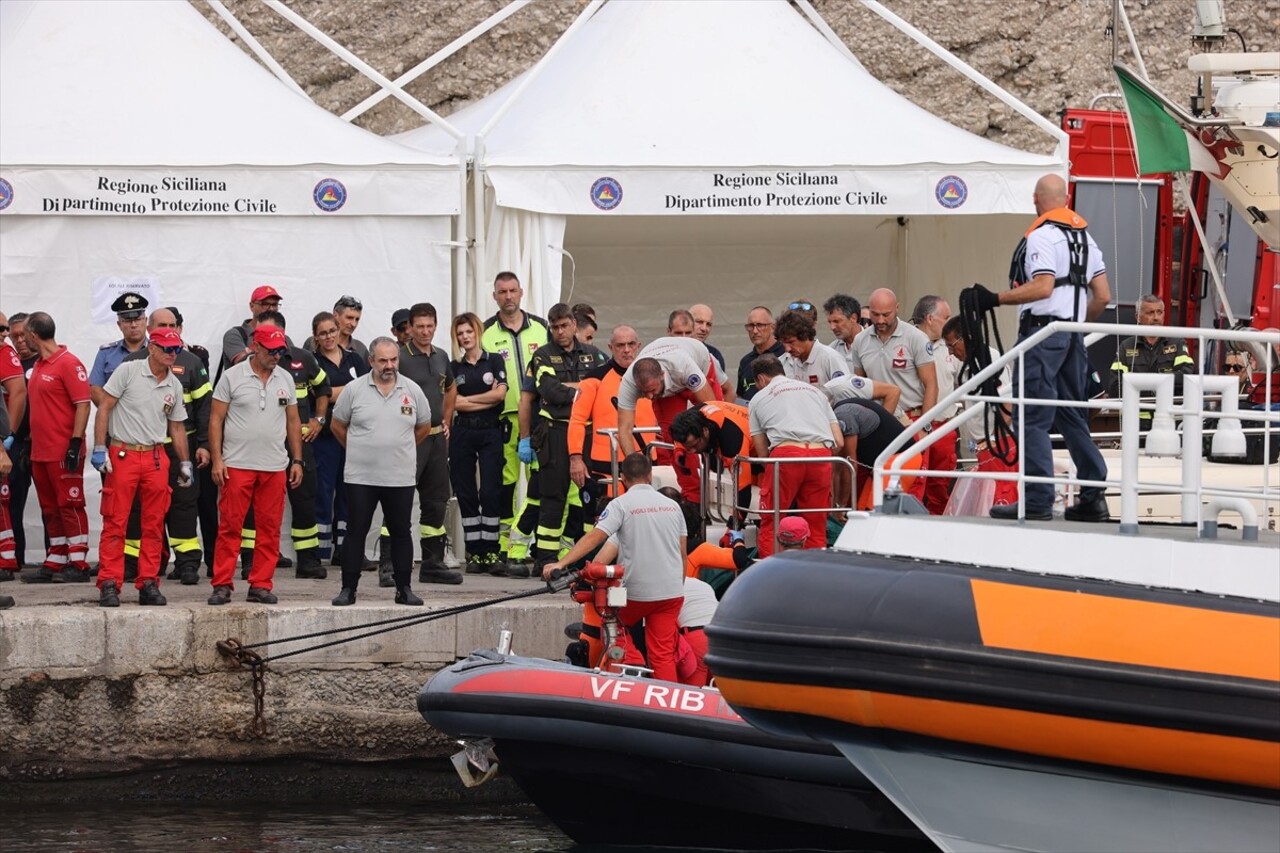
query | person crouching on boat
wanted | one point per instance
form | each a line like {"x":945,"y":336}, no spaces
{"x":650,"y":533}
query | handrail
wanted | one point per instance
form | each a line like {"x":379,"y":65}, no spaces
{"x":891,"y":461}
{"x":777,"y":511}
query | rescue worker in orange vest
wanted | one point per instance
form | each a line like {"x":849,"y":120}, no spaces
{"x":140,"y":404}
{"x":721,"y":431}
{"x":596,"y":408}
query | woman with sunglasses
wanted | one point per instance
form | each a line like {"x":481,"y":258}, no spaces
{"x":341,"y":365}
{"x":476,"y":441}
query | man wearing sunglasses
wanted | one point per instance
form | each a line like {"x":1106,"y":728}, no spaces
{"x":237,"y":341}
{"x":180,"y":519}
{"x":1150,"y":354}
{"x":255,"y":412}
{"x":140,"y":408}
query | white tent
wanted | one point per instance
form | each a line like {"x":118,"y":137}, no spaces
{"x":139,"y":146}
{"x":727,"y":152}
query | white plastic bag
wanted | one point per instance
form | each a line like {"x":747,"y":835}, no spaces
{"x":971,"y":497}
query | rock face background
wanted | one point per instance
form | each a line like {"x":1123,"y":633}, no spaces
{"x":1052,"y":54}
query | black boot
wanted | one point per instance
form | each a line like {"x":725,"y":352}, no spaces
{"x":385,"y":572}
{"x":309,"y":565}
{"x":404,"y":595}
{"x":432,"y":569}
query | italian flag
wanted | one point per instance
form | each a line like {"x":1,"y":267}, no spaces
{"x":1162,"y":143}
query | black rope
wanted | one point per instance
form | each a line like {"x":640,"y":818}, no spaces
{"x":395,"y":624}
{"x":978,"y":330}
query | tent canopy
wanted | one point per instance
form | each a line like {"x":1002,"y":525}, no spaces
{"x":726,"y":108}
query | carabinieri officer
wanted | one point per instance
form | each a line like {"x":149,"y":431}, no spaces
{"x":130,"y":310}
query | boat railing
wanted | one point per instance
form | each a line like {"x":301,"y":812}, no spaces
{"x":611,"y":433}
{"x":1161,"y":440}
{"x":775,"y":463}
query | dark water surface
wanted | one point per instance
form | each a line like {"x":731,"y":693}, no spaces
{"x":177,"y":828}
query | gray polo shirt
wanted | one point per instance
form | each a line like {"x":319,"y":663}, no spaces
{"x":253,"y":434}
{"x":647,"y":527}
{"x":432,"y":374}
{"x":822,"y":365}
{"x":895,"y":361}
{"x":380,"y":446}
{"x":145,"y":405}
{"x":791,"y":410}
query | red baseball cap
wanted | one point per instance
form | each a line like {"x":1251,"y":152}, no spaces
{"x":266,"y":291}
{"x":271,"y":337}
{"x":793,"y":530}
{"x":166,"y":337}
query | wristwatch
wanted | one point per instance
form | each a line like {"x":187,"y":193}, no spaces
{"x":927,"y":428}
{"x":297,"y":462}
{"x":322,"y":420}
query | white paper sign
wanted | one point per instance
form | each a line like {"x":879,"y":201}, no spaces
{"x":108,"y":288}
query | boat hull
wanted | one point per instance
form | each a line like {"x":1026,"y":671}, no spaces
{"x":595,"y":751}
{"x":1161,"y":696}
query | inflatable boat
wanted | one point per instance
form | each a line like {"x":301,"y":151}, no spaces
{"x":623,"y":760}
{"x":1008,"y":708}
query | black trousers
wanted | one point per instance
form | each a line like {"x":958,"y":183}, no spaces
{"x":397,"y":512}
{"x":19,"y":488}
{"x":472,"y":448}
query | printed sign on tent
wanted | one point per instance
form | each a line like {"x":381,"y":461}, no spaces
{"x":108,"y":288}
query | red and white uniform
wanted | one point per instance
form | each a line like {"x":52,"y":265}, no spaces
{"x":138,"y":426}
{"x":797,"y":421}
{"x":58,"y":384}
{"x":10,"y":367}
{"x":687,"y":366}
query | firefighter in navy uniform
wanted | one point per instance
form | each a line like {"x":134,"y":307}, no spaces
{"x":428,"y":366}
{"x":311,"y":387}
{"x":1151,"y":354}
{"x":181,"y":518}
{"x":552,"y":378}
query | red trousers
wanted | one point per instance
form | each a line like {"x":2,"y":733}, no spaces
{"x":692,"y":668}
{"x":939,"y":457}
{"x":265,"y":492}
{"x":1006,"y":490}
{"x":61,"y":496}
{"x":801,"y":486}
{"x":8,"y":552}
{"x":145,"y":474}
{"x":660,"y":632}
{"x":686,"y":464}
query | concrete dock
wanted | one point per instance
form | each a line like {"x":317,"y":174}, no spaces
{"x":88,"y":691}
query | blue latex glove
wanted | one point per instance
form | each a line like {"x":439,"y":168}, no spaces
{"x":98,"y":459}
{"x":735,"y":537}
{"x":8,"y":443}
{"x":525,"y":451}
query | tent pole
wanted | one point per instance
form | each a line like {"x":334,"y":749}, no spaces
{"x":821,"y":25}
{"x":539,"y":65}
{"x":477,"y":211}
{"x":363,"y":67}
{"x":460,"y":283}
{"x":976,"y":76}
{"x":254,"y":45}
{"x":436,"y":58}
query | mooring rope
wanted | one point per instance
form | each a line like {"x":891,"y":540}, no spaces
{"x":979,"y":329}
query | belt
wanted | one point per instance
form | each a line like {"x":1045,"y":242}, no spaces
{"x":811,"y":445}
{"x":914,"y":413}
{"x":475,"y":422}
{"x":1037,"y":321}
{"x":691,"y":629}
{"x":436,"y":430}
{"x":137,"y":448}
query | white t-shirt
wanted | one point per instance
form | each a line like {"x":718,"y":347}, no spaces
{"x":948,"y":367}
{"x":848,"y":387}
{"x":647,"y":527}
{"x":789,"y":410}
{"x":686,"y":362}
{"x":699,"y":604}
{"x":1049,"y":252}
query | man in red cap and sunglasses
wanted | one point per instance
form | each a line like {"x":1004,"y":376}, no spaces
{"x":255,"y":410}
{"x":140,"y":406}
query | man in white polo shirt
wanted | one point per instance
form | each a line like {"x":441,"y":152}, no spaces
{"x":650,"y":533}
{"x":672,"y":372}
{"x":807,"y":359}
{"x":791,"y":419}
{"x":140,"y":405}
{"x":254,"y":412}
{"x":380,"y":419}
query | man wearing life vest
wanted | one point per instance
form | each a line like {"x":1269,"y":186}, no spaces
{"x":1057,"y":274}
{"x":596,"y":408}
